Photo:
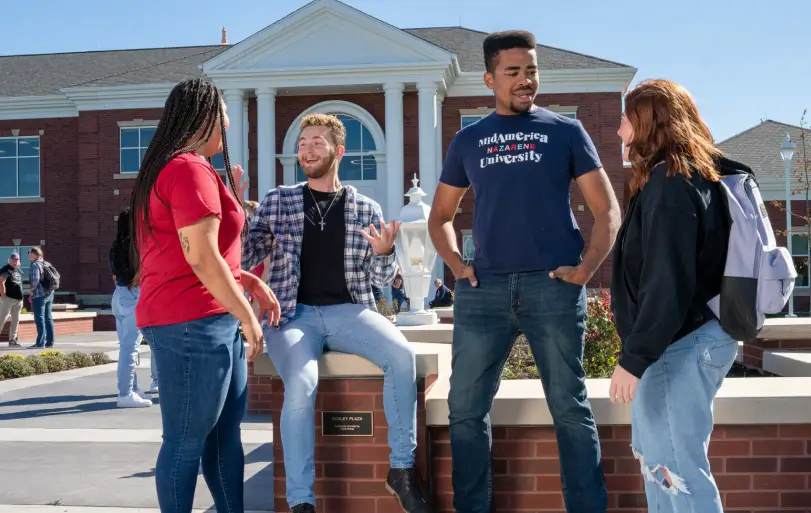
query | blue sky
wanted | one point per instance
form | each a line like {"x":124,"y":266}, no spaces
{"x":741,"y":63}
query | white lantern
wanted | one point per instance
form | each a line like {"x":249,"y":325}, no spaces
{"x":416,"y":256}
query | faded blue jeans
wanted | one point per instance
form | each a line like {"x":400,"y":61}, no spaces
{"x":44,"y":319}
{"x":129,"y":337}
{"x":203,"y":397}
{"x":672,"y":421}
{"x":353,"y":329}
{"x":487,"y":319}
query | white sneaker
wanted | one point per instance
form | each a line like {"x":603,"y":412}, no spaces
{"x":133,"y":400}
{"x":142,"y":394}
{"x":153,"y":387}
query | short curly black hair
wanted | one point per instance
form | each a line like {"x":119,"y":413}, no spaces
{"x":506,"y":40}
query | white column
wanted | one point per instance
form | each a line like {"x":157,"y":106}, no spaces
{"x":266,"y":140}
{"x":246,"y":151}
{"x":439,"y":99}
{"x":427,"y":130}
{"x":233,"y":101}
{"x":395,"y":179}
{"x":439,"y":268}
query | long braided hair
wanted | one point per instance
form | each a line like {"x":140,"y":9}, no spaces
{"x":194,"y":106}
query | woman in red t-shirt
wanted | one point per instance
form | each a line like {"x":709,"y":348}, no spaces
{"x":188,"y":227}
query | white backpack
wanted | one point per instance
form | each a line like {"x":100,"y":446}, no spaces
{"x":759,"y":275}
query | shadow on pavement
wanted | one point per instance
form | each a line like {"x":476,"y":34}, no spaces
{"x":66,"y":410}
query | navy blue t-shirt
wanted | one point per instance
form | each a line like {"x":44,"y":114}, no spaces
{"x":521,"y":167}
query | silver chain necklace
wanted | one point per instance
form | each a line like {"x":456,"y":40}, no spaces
{"x":322,"y":222}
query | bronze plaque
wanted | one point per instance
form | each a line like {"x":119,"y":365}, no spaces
{"x":347,"y":423}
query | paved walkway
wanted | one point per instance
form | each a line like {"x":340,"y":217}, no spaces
{"x":64,"y":443}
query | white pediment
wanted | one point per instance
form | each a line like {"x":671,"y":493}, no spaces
{"x":326,"y":33}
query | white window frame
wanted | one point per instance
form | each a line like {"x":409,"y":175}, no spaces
{"x":482,"y":112}
{"x":361,"y":155}
{"x":802,"y":232}
{"x":467,"y":235}
{"x":139,"y":147}
{"x":25,"y":264}
{"x":17,"y":159}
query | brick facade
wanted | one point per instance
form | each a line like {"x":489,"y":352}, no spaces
{"x":80,"y":160}
{"x":758,"y":468}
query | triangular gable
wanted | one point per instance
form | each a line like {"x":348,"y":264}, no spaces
{"x":326,"y":33}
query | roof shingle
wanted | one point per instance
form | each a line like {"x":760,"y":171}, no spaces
{"x":759,"y":147}
{"x":47,"y":74}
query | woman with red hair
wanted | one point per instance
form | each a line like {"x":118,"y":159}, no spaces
{"x":669,"y":260}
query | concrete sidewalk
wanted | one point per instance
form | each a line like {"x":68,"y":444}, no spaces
{"x":64,"y":443}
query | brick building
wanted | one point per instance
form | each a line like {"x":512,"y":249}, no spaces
{"x":74,"y":126}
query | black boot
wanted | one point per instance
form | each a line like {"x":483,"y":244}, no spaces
{"x":305,"y":507}
{"x":406,"y":485}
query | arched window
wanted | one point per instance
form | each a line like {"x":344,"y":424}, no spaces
{"x":357,"y":164}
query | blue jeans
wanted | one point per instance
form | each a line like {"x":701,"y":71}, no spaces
{"x":672,"y":421}
{"x":44,"y":319}
{"x":349,"y":328}
{"x":203,"y":397}
{"x":487,"y":319}
{"x":129,"y":338}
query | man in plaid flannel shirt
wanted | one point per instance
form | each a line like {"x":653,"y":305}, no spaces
{"x":323,"y":264}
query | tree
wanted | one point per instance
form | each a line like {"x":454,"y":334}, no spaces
{"x":802,"y":171}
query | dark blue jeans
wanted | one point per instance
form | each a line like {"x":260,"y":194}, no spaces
{"x":487,"y":319}
{"x":44,"y":319}
{"x":203,"y":397}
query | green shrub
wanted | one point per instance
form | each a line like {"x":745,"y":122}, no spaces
{"x":55,"y":362}
{"x":599,"y":355}
{"x":100,"y":358}
{"x":80,"y":359}
{"x":37,"y":363}
{"x":15,"y":368}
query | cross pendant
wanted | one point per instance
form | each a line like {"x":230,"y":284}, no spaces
{"x":322,"y":223}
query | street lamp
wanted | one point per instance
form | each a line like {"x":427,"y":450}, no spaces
{"x":416,"y":256}
{"x":787,"y":150}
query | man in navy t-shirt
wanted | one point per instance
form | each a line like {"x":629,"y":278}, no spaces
{"x":528,"y":272}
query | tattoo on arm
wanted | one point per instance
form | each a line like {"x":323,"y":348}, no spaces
{"x":184,"y":242}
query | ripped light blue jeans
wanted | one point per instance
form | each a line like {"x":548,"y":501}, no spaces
{"x":348,"y":328}
{"x":672,"y":421}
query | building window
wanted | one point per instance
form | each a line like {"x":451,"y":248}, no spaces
{"x":25,"y":264}
{"x":468,"y":248}
{"x":218,"y":163}
{"x":357,"y":164}
{"x":800,"y":254}
{"x":134,"y":142}
{"x":19,"y":167}
{"x":469,"y":119}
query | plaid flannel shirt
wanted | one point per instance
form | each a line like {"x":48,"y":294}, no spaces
{"x":277,"y":229}
{"x":35,"y":278}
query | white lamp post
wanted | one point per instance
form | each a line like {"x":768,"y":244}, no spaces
{"x":787,"y":153}
{"x":416,"y":256}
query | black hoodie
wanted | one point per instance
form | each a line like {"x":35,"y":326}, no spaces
{"x":668,"y":262}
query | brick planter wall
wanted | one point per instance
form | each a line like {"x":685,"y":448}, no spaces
{"x":350,"y":471}
{"x":28,"y":330}
{"x":758,"y":469}
{"x":753,"y":349}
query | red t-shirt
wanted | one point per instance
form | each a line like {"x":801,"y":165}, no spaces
{"x":190,"y":190}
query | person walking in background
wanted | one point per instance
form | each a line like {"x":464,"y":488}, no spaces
{"x":125,"y":297}
{"x":668,"y":263}
{"x":188,"y":227}
{"x":11,"y":297}
{"x":41,"y":297}
{"x":528,"y":272}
